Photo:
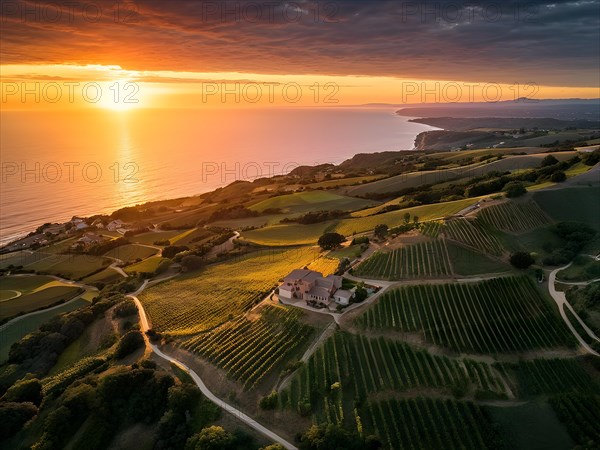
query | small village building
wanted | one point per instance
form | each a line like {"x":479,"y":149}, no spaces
{"x":115,"y":225}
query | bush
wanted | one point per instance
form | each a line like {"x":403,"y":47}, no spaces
{"x":25,"y":391}
{"x":269,"y":401}
{"x":125,"y":309}
{"x":210,"y":438}
{"x":514,"y":189}
{"x":131,"y":341}
{"x":549,"y":160}
{"x":191,"y":262}
{"x":13,"y":416}
{"x":521,"y":260}
{"x":558,"y":177}
{"x":172,"y":250}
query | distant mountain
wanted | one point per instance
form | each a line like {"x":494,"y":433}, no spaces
{"x":563,"y":109}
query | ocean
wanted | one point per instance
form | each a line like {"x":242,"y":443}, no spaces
{"x":59,"y":164}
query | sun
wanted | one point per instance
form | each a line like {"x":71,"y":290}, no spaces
{"x":119,"y":95}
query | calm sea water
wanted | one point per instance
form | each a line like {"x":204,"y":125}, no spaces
{"x":56,"y":165}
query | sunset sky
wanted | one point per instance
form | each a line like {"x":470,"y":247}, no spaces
{"x":191,"y":53}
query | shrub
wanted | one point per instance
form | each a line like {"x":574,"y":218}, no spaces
{"x":549,"y":160}
{"x":13,"y":416}
{"x":521,"y":260}
{"x":558,"y":177}
{"x":514,"y":189}
{"x":131,"y":341}
{"x":269,"y":401}
{"x":25,"y":391}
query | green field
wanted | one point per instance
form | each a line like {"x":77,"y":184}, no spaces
{"x":249,"y":349}
{"x":294,"y":234}
{"x":467,"y":262}
{"x":151,"y":237}
{"x":577,"y":204}
{"x":286,"y":235}
{"x":495,"y":316}
{"x":24,"y":284}
{"x":147,"y":266}
{"x":422,"y":260}
{"x":12,"y":332}
{"x":201,"y":300}
{"x":131,"y":252}
{"x":530,"y":426}
{"x":414,"y":179}
{"x":514,"y":216}
{"x":303,"y":202}
{"x":104,"y":276}
{"x":37,"y":300}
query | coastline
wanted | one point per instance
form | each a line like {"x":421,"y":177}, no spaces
{"x":25,"y":227}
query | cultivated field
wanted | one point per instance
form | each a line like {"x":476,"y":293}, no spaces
{"x":496,"y":316}
{"x":514,"y":216}
{"x":425,"y":259}
{"x":325,"y":265}
{"x":425,"y":423}
{"x":249,"y":349}
{"x":202,"y":300}
{"x":348,"y":368}
{"x":581,"y":415}
{"x":131,"y":252}
{"x":471,"y":233}
{"x":553,"y":376}
{"x":302,"y":202}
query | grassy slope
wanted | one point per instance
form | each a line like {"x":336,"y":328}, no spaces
{"x":468,"y":262}
{"x":581,"y":204}
{"x":414,"y":179}
{"x":309,"y":234}
{"x":36,"y":300}
{"x":303,"y":202}
{"x":131,"y":251}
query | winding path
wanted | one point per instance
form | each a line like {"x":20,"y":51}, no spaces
{"x":561,"y":302}
{"x":203,"y":388}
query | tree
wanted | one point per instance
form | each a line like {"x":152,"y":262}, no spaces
{"x":549,"y":160}
{"x":13,"y":416}
{"x":172,"y":250}
{"x":25,"y":391}
{"x":521,"y":260}
{"x":360,"y":294}
{"x":330,"y":241}
{"x":269,"y":401}
{"x":323,"y":437}
{"x":273,"y":447}
{"x":407,"y":217}
{"x":514,"y":189}
{"x":131,"y":341}
{"x":210,"y":438}
{"x":191,"y":262}
{"x":558,"y":177}
{"x":415,"y":219}
{"x":381,"y":230}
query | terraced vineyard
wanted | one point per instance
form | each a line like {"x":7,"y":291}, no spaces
{"x":425,"y":259}
{"x":513,"y":216}
{"x":432,"y":228}
{"x":498,"y":315}
{"x":470,"y":232}
{"x":553,"y":376}
{"x":349,"y":367}
{"x":424,"y":423}
{"x":581,"y":415}
{"x":249,"y":349}
{"x":205,"y":299}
